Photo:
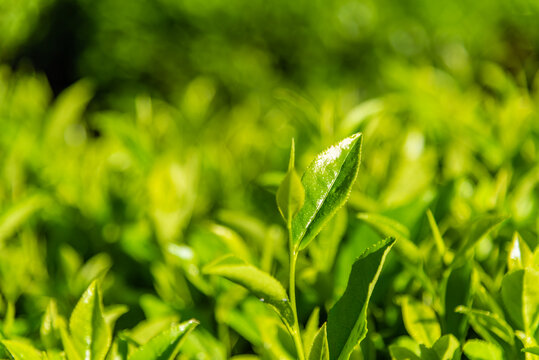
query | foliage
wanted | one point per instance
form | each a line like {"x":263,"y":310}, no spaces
{"x":143,"y":163}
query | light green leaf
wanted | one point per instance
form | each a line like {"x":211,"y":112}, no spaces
{"x":520,"y":295}
{"x":112,"y":313}
{"x":47,"y":330}
{"x":489,"y":325}
{"x":291,"y":194}
{"x":165,"y":345}
{"x":311,"y":329}
{"x":482,"y":350}
{"x":22,"y":351}
{"x":90,"y":333}
{"x":420,"y":321}
{"x":389,"y":227}
{"x":347,"y":320}
{"x":439,"y":241}
{"x":320,"y":349}
{"x":18,"y":214}
{"x":324,"y":249}
{"x":328,"y":182}
{"x":261,"y":284}
{"x":520,"y":255}
{"x":458,"y":292}
{"x":447,"y":348}
{"x":480,"y":228}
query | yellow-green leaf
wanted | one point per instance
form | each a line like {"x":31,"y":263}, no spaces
{"x":420,"y":321}
{"x":90,"y":333}
{"x":328,"y":182}
{"x":259,"y":283}
{"x":291,"y":194}
{"x":165,"y":345}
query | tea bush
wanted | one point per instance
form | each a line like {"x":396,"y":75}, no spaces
{"x":147,"y":210}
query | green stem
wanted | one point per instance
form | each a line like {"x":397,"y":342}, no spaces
{"x":10,"y":316}
{"x":292,"y":290}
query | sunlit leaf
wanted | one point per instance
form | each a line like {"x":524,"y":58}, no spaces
{"x":327,"y":181}
{"x":89,"y":331}
{"x":22,"y":351}
{"x":261,"y":284}
{"x":482,"y":350}
{"x":519,"y":255}
{"x":420,"y":321}
{"x":165,"y":345}
{"x":520,"y":295}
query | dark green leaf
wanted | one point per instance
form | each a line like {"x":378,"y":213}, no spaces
{"x":458,"y":291}
{"x":165,"y":345}
{"x":532,"y":350}
{"x":261,"y":284}
{"x":347,"y":320}
{"x":490,"y":326}
{"x":328,"y":182}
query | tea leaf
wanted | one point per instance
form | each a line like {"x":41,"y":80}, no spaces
{"x":347,"y":320}
{"x":22,"y":351}
{"x":320,"y":349}
{"x":420,"y":321}
{"x":447,"y":348}
{"x":402,"y":353}
{"x":482,"y":350}
{"x":165,"y":345}
{"x":532,"y":350}
{"x":519,"y":255}
{"x":90,"y":333}
{"x":520,"y":295}
{"x":328,"y":182}
{"x":291,"y":194}
{"x":490,"y":326}
{"x":261,"y":284}
{"x":458,"y":291}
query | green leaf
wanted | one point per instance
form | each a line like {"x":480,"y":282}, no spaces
{"x":447,"y":348}
{"x":90,"y":334}
{"x":261,"y":284}
{"x":532,"y":350}
{"x":328,"y":182}
{"x":389,"y":227}
{"x":480,"y":228}
{"x":320,"y":349}
{"x":347,"y":320}
{"x":489,"y":325}
{"x":439,"y":241}
{"x":166,"y":345}
{"x":420,"y":321}
{"x":482,"y":350}
{"x":520,"y":295}
{"x":22,"y":351}
{"x":311,"y":329}
{"x":520,"y":255}
{"x":458,"y":292}
{"x":291,"y":194}
{"x":402,"y":353}
{"x":47,"y":330}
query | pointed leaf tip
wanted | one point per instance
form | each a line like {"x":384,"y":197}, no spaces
{"x":328,"y":182}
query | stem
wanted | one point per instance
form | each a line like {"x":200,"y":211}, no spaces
{"x":292,"y":290}
{"x":10,"y":316}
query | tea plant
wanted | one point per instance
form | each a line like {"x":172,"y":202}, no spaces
{"x":306,"y":206}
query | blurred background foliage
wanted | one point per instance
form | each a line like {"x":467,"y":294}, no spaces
{"x":143,"y":139}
